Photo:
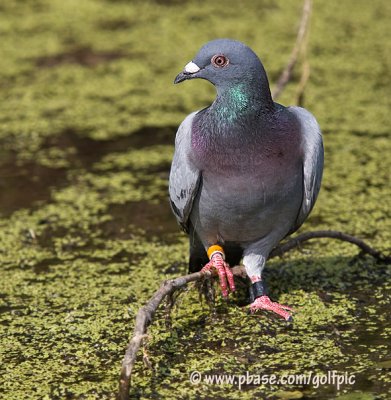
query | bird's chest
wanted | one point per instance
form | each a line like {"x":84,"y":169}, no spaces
{"x":251,"y":168}
{"x":242,"y":157}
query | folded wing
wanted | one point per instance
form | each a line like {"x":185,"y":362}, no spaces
{"x":313,"y":156}
{"x":185,"y":178}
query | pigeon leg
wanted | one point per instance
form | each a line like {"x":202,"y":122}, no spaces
{"x":260,"y":301}
{"x":264,"y":303}
{"x":216,"y":256}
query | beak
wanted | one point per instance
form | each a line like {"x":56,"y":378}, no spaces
{"x":189,"y":72}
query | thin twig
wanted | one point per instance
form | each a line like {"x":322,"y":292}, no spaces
{"x":305,"y":71}
{"x":300,"y":41}
{"x":295,"y":242}
{"x":305,"y":74}
{"x":143,"y":319}
{"x":146,"y":313}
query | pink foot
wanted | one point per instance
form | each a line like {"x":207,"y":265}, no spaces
{"x":264,"y":303}
{"x":224,"y":271}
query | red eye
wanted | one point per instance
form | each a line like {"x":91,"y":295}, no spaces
{"x":219,"y":60}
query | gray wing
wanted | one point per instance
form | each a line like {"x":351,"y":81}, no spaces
{"x":313,"y":155}
{"x":184,"y":176}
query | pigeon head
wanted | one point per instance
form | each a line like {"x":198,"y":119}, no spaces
{"x":228,"y":64}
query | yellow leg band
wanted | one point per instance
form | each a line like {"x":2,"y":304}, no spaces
{"x":215,"y":249}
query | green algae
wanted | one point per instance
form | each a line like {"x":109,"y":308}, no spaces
{"x":86,"y":125}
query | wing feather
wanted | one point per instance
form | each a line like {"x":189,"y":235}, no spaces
{"x":184,"y":176}
{"x":313,"y":157}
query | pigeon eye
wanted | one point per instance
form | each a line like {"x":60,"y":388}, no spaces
{"x":219,"y":60}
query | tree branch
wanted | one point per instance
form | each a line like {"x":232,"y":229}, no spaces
{"x":300,"y":42}
{"x":298,"y":240}
{"x":146,"y":313}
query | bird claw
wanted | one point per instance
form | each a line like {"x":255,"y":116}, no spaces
{"x":226,"y":277}
{"x":264,"y":303}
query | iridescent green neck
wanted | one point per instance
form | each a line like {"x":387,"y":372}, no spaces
{"x":234,"y":103}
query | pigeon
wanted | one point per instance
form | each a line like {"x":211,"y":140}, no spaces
{"x":246,"y":171}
